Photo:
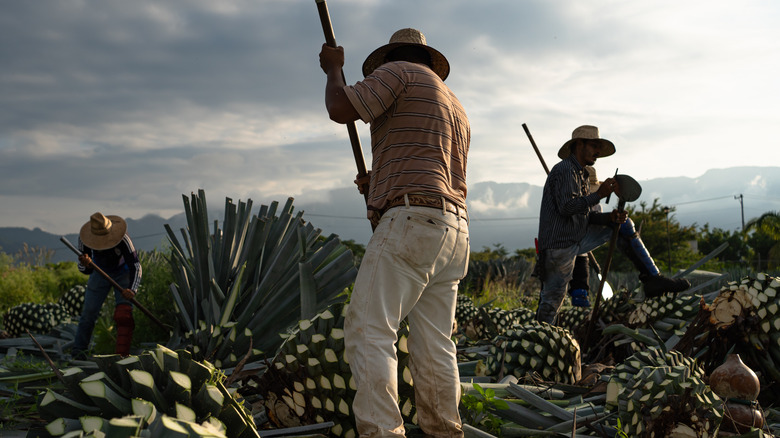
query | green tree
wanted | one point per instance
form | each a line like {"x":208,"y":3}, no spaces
{"x":498,"y":252}
{"x":664,"y":237}
{"x":735,"y":253}
{"x":763,"y":235}
{"x":21,"y":282}
{"x":527,"y":253}
{"x":358,"y":250}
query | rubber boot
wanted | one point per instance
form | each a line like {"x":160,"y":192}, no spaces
{"x":123,"y":316}
{"x":580,"y":282}
{"x":579,"y":298}
{"x":580,"y":276}
{"x":654,"y":283}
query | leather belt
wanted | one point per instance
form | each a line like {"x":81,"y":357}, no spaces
{"x":432,"y":201}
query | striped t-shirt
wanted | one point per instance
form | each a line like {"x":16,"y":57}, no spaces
{"x":419,"y":133}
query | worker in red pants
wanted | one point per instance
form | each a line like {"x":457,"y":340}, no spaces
{"x":104,"y":242}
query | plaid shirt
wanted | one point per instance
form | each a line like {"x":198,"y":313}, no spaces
{"x":566,"y":203}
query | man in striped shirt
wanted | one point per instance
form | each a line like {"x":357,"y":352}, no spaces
{"x":420,"y":247}
{"x":568,"y":226}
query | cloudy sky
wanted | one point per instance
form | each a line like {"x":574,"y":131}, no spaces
{"x":123,"y":106}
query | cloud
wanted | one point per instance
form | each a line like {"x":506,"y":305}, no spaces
{"x":131,"y":104}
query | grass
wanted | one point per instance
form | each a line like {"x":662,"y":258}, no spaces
{"x":23,"y":376}
{"x":28,"y":373}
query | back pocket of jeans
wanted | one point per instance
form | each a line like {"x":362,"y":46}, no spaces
{"x":421,"y":241}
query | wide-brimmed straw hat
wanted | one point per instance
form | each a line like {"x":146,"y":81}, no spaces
{"x":593,"y":179}
{"x":407,"y":37}
{"x":587,"y":132}
{"x":103,"y":232}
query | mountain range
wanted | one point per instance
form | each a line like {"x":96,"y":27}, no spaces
{"x":505,"y":214}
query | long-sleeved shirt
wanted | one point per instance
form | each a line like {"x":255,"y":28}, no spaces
{"x":566,"y":206}
{"x":115,"y":260}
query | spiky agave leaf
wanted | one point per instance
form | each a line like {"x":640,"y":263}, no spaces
{"x":536,"y":348}
{"x":477,"y":323}
{"x":37,"y":318}
{"x":650,"y":357}
{"x":72,"y":301}
{"x":239,"y":286}
{"x":744,"y":318}
{"x":310,"y":381}
{"x":573,"y":318}
{"x":653,"y":393}
{"x":159,"y":383}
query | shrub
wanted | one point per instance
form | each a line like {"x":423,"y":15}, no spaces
{"x":21,"y":282}
{"x":16,"y":287}
{"x":67,"y":275}
{"x":155,"y":295}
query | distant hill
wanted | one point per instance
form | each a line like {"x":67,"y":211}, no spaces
{"x":147,"y":233}
{"x":501,"y":213}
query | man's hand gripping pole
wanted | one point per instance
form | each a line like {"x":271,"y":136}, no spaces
{"x":354,"y":139}
{"x":116,"y":285}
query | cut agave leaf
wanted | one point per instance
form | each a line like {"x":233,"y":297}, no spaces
{"x":54,"y":405}
{"x":111,"y":404}
{"x":61,"y":426}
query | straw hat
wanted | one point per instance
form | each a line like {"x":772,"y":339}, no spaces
{"x":103,"y":232}
{"x":407,"y":37}
{"x":586,"y":132}
{"x":593,"y":180}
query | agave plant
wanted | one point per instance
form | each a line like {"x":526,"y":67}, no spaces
{"x":160,"y":392}
{"x":662,"y":393}
{"x":238,"y":287}
{"x":33,"y":317}
{"x":310,"y":381}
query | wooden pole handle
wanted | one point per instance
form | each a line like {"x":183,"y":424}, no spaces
{"x":116,"y":285}
{"x":354,"y":139}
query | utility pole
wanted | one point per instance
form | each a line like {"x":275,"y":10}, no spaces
{"x":668,"y":240}
{"x":742,"y":209}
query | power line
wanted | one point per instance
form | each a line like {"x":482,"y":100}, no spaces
{"x":763,"y":198}
{"x":472,"y":219}
{"x":502,"y":219}
{"x":333,"y":216}
{"x":701,"y":200}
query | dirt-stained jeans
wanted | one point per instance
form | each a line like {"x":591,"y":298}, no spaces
{"x":96,"y":293}
{"x":558,"y":268}
{"x":412,"y":266}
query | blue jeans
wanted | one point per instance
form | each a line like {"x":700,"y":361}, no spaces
{"x":558,"y":267}
{"x":97,"y":291}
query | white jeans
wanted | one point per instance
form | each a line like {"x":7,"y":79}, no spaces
{"x":412,"y":267}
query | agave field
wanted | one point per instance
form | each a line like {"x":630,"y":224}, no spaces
{"x":255,"y":308}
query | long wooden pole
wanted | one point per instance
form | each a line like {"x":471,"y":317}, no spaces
{"x":354,"y":139}
{"x":536,"y":148}
{"x":611,"y":251}
{"x":54,"y":368}
{"x":116,"y":285}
